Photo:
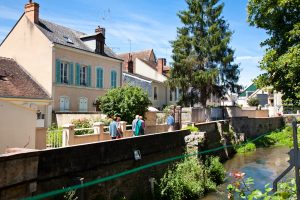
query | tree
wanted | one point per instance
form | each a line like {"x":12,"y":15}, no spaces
{"x":253,"y":101}
{"x":202,"y":57}
{"x":281,"y":20}
{"x":126,"y":102}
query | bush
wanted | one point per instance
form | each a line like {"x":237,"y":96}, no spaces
{"x":248,"y":147}
{"x":126,"y":102}
{"x":82,"y":123}
{"x":253,"y":101}
{"x":190,"y":179}
{"x":191,"y":128}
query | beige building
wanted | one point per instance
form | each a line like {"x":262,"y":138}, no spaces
{"x":143,"y":69}
{"x":72,"y":67}
{"x":22,"y":102}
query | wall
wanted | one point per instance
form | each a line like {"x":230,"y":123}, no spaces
{"x":17,"y":126}
{"x":233,"y":111}
{"x":46,"y":170}
{"x":32,"y":50}
{"x":75,"y":92}
{"x":67,"y":118}
{"x":40,"y":138}
{"x":253,"y":127}
{"x":161,"y":95}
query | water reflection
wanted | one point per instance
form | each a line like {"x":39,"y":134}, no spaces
{"x":264,"y":165}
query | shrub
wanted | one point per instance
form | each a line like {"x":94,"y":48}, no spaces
{"x":253,"y":101}
{"x":248,"y":147}
{"x":82,"y":123}
{"x":126,"y":102}
{"x":215,"y":169}
{"x":191,"y":128}
{"x":190,"y":179}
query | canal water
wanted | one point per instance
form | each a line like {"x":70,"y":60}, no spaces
{"x":263,"y":165}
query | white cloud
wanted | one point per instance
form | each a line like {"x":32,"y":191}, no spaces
{"x":9,"y":13}
{"x":249,"y":58}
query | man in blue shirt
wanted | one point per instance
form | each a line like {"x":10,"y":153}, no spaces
{"x":170,"y":122}
{"x":113,"y":129}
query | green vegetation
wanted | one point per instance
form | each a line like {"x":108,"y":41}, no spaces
{"x":191,"y":179}
{"x":125,"y":102}
{"x":253,"y":101}
{"x":54,"y":136}
{"x":191,"y":128}
{"x":242,"y":188}
{"x":281,"y":20}
{"x":83,"y":123}
{"x":247,"y":147}
{"x":203,"y":59}
{"x":281,"y":137}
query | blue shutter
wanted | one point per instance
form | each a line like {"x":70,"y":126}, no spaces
{"x":77,"y":74}
{"x":89,"y":77}
{"x":112,"y":79}
{"x":71,"y":74}
{"x":101,"y":78}
{"x":57,"y":71}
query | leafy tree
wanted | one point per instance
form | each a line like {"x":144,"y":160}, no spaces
{"x":202,"y":57}
{"x":126,"y":102}
{"x":253,"y":101}
{"x":281,"y":20}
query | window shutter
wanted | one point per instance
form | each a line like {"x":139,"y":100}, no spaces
{"x":77,"y":74}
{"x":57,"y":71}
{"x":101,"y":78}
{"x":98,"y":77}
{"x":71,"y":74}
{"x":112,"y":79}
{"x":89,"y":71}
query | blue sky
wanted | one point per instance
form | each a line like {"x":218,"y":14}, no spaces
{"x":143,"y":23}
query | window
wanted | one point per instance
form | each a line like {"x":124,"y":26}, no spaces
{"x":99,"y":77}
{"x":83,"y":104}
{"x":64,"y":71}
{"x":113,"y":79}
{"x":68,"y":40}
{"x":155,"y":93}
{"x":83,"y":75}
{"x":64,"y":103}
{"x":171,"y":95}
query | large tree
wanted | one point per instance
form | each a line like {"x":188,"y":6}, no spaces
{"x":202,"y":58}
{"x":281,"y":20}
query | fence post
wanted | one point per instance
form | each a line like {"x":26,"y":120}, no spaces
{"x":98,"y":128}
{"x":68,"y":135}
{"x":178,"y":116}
{"x":123,"y":126}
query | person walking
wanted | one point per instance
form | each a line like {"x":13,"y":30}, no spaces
{"x":119,"y":128}
{"x":113,"y":128}
{"x":142,"y":129}
{"x":134,"y":124}
{"x":138,"y":128}
{"x":170,"y":122}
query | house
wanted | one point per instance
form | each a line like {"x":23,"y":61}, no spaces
{"x":22,"y":102}
{"x":143,"y":69}
{"x":72,"y":67}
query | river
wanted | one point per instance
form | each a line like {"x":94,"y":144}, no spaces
{"x":263,"y":165}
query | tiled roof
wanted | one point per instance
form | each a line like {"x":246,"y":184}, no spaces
{"x":143,"y":55}
{"x":57,"y":34}
{"x":15,"y":82}
{"x":142,"y":77}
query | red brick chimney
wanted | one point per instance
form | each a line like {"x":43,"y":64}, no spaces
{"x":32,"y":11}
{"x":161,"y":62}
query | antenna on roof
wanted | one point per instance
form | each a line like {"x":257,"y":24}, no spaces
{"x":30,"y":1}
{"x":105,"y":15}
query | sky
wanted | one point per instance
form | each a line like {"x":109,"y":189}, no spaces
{"x":135,"y":25}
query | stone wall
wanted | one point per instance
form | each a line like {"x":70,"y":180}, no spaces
{"x":253,"y":127}
{"x":33,"y":173}
{"x":251,"y":112}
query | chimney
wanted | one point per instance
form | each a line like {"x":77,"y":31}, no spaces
{"x":130,"y":64}
{"x":161,"y":62}
{"x":100,"y":40}
{"x":32,"y":11}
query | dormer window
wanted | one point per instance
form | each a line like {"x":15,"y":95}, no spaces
{"x":68,"y":40}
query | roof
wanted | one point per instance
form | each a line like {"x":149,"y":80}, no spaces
{"x":16,"y":83}
{"x":143,"y":55}
{"x":142,"y":77}
{"x":58,"y":34}
{"x":250,"y":88}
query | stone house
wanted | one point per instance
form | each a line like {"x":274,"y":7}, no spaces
{"x":72,"y":67}
{"x":22,"y":102}
{"x":143,"y":69}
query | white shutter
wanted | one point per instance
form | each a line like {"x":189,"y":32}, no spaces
{"x":62,"y":103}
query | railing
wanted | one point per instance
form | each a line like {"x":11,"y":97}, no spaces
{"x":54,"y":138}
